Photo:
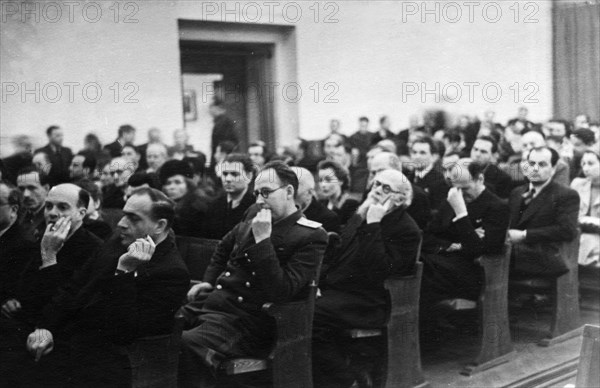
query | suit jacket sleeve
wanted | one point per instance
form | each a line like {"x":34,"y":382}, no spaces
{"x":218,"y":262}
{"x":283,"y":282}
{"x":138,"y":311}
{"x":566,"y":208}
{"x":495,"y":224}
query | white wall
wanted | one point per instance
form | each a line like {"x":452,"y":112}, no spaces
{"x":367,"y":56}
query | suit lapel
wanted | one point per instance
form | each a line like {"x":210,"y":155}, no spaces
{"x":536,"y":204}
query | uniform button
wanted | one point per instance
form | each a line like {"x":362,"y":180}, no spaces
{"x":219,"y":286}
{"x":227,"y":273}
{"x":245,"y":254}
{"x":253,"y":273}
{"x":240,"y":299}
{"x":248,"y":284}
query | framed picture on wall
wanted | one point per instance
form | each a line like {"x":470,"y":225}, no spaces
{"x":190,"y":112}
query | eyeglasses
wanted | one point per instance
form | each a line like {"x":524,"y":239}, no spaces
{"x":265,"y":192}
{"x":385,"y":188}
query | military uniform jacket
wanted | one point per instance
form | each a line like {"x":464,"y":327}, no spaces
{"x":246,"y":274}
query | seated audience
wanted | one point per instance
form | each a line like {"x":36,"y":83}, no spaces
{"x":310,"y":206}
{"x":384,"y":132}
{"x":106,"y":177}
{"x":42,"y":163}
{"x":334,"y":182}
{"x":270,"y":258}
{"x":34,"y":187}
{"x":428,"y":175}
{"x":154,"y":136}
{"x":15,"y":251}
{"x":63,"y":250}
{"x":139,"y":180}
{"x":418,"y":208}
{"x":360,"y":142}
{"x":485,"y":152}
{"x":471,"y":222}
{"x":221,"y":151}
{"x":190,"y":209}
{"x":237,"y":174}
{"x":130,"y":289}
{"x":156,"y":156}
{"x":126,"y":134}
{"x":21,"y":157}
{"x":543,"y":215}
{"x":589,"y":208}
{"x":379,"y":240}
{"x":83,"y":166}
{"x":93,"y":148}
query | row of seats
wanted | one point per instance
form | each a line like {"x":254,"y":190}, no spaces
{"x":154,"y":360}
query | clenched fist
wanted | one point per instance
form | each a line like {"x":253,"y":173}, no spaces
{"x":140,"y":251}
{"x":261,"y":225}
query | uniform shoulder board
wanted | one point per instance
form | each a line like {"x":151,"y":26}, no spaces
{"x":308,"y":223}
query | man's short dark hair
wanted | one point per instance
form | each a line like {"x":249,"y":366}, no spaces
{"x":126,"y":128}
{"x":476,"y":170}
{"x":363,"y":118}
{"x":586,"y":136}
{"x":32,"y":169}
{"x":341,"y":173}
{"x":15,"y":196}
{"x":433,"y":148}
{"x":92,"y":189}
{"x":139,"y":178}
{"x":382,"y":119}
{"x":286,"y":175}
{"x":490,"y":140}
{"x":83,"y":198}
{"x":89,"y":161}
{"x":452,"y":136}
{"x":51,"y":129}
{"x":243,"y":159}
{"x":162,"y":206}
{"x":130,"y":145}
{"x":554,"y":154}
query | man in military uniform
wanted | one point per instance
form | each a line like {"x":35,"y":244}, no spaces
{"x":270,"y":258}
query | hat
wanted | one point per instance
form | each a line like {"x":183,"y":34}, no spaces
{"x":175,"y":167}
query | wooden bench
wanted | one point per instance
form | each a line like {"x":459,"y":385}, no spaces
{"x":196,"y":253}
{"x":154,"y":360}
{"x":403,"y":353}
{"x":290,"y":362}
{"x":565,"y":296}
{"x":494,"y":332}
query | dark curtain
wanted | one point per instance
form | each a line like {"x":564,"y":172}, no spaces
{"x":576,"y":57}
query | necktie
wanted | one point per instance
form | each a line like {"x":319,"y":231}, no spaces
{"x":229,"y":206}
{"x":528,"y":197}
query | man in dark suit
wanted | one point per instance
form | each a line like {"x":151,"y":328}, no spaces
{"x":130,"y":289}
{"x":223,"y":129}
{"x":270,"y":258}
{"x":484,"y":151}
{"x":428,"y":176}
{"x":310,"y":206}
{"x":63,"y":250}
{"x":419,"y":208}
{"x":543,"y":215}
{"x":60,"y":157}
{"x":34,"y":186}
{"x":126,"y":135}
{"x":237,"y":175}
{"x":379,"y":240}
{"x":471,"y":222}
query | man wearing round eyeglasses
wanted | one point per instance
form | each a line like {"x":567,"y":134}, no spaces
{"x":272,"y":257}
{"x":380,"y":239}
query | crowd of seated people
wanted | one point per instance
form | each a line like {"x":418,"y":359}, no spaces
{"x":89,"y":261}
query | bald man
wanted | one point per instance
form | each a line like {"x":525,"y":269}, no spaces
{"x":64,"y":248}
{"x":310,"y":206}
{"x":381,"y":239}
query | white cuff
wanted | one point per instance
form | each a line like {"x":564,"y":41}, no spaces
{"x":459,"y":216}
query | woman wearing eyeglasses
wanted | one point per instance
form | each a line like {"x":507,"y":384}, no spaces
{"x":334,"y":182}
